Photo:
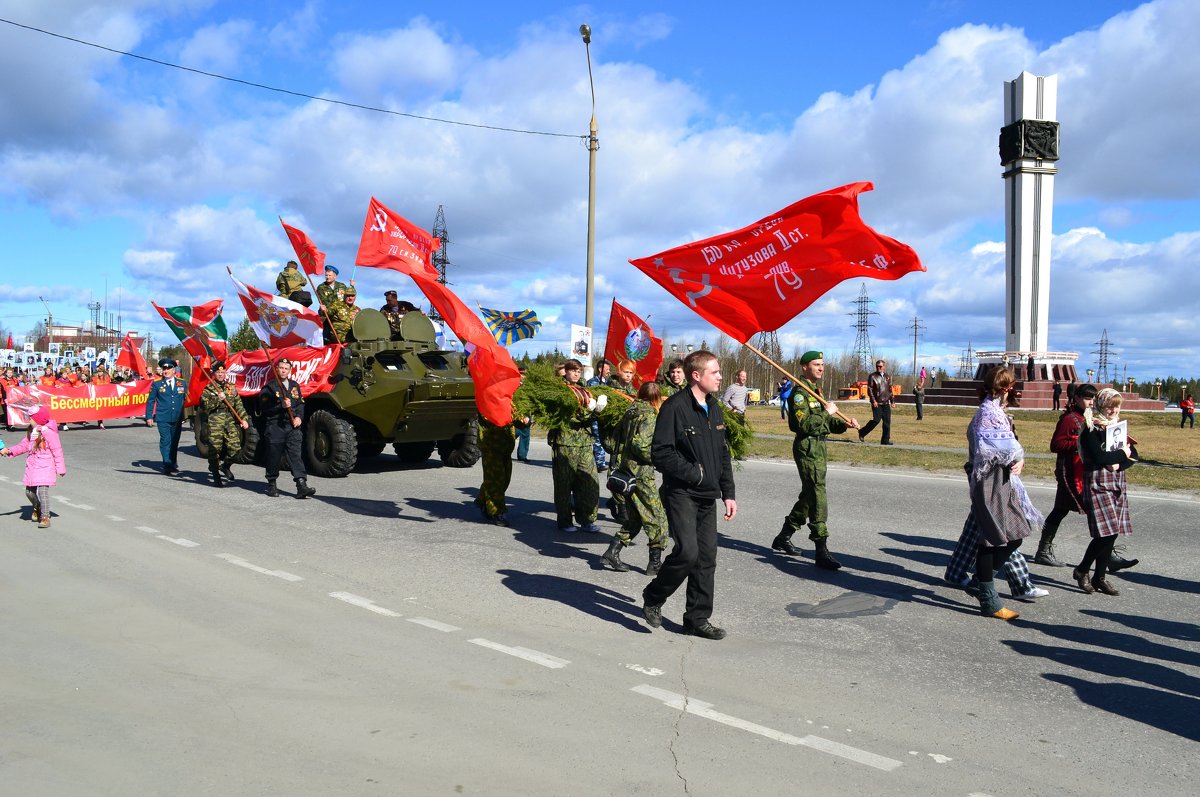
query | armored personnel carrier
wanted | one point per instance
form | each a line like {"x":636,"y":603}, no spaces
{"x":404,"y":392}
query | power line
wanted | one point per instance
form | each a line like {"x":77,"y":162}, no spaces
{"x":301,"y":94}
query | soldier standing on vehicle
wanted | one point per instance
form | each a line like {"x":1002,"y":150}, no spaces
{"x":811,"y":420}
{"x":164,"y":408}
{"x":331,"y":290}
{"x":290,"y":280}
{"x":283,"y":411}
{"x":226,"y":419}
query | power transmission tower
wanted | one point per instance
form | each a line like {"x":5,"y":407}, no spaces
{"x":95,"y":308}
{"x":862,"y":323}
{"x":966,"y":363}
{"x":1102,"y":358}
{"x":768,"y":344}
{"x":917,"y":329}
{"x":441,"y":258}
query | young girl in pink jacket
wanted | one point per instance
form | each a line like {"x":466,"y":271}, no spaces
{"x":44,"y":465}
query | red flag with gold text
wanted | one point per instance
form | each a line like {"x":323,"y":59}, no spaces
{"x":760,"y":277}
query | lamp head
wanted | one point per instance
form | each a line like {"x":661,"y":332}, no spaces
{"x":586,"y":32}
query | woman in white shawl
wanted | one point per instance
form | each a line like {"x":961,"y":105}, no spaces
{"x":998,"y":499}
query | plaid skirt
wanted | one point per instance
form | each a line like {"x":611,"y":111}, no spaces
{"x":1106,"y":502}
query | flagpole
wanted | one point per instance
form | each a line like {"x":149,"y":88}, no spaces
{"x":262,"y":344}
{"x":796,"y":381}
{"x":321,"y":304}
{"x":212,"y":380}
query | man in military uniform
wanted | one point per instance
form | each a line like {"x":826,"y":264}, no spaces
{"x":226,"y":419}
{"x":811,"y":419}
{"x":496,"y":445}
{"x":283,"y":411}
{"x":393,"y":310}
{"x":331,"y":290}
{"x":341,"y":317}
{"x":644,"y":510}
{"x":573,"y":465}
{"x":164,"y":409}
{"x":290,"y":280}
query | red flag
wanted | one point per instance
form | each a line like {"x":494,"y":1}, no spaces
{"x":312,"y":259}
{"x":760,"y":277}
{"x":198,"y":380}
{"x":129,"y":357}
{"x":9,"y":344}
{"x":391,"y":241}
{"x":630,"y":338}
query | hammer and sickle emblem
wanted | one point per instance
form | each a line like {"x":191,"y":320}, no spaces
{"x":380,"y":224}
{"x":692,"y":296}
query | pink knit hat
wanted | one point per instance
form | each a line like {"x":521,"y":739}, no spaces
{"x":40,"y":416}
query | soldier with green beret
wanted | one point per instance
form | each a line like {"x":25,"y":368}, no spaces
{"x":643,"y":507}
{"x":290,"y":280}
{"x":226,"y":418}
{"x":811,"y":419}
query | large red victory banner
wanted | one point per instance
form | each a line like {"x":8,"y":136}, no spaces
{"x":391,"y":241}
{"x":758,"y":278}
{"x":79,"y":403}
{"x":311,"y":367}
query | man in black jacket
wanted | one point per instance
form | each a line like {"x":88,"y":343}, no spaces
{"x":691,"y":452}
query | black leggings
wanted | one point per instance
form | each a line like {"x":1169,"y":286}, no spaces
{"x":1099,"y":550}
{"x":987,"y":557}
{"x":1054,"y":519}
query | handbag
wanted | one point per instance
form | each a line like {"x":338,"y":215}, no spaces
{"x":621,"y":481}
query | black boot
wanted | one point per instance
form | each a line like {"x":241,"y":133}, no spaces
{"x":1118,"y":562}
{"x":655,"y":563}
{"x":227,"y":470}
{"x":1045,"y":552}
{"x":216,"y":474}
{"x":825,"y":559}
{"x":783,"y":541}
{"x":303,"y":490}
{"x":613,"y":556}
{"x":272,"y":488}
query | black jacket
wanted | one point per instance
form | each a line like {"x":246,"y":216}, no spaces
{"x":690,"y":449}
{"x":272,"y":403}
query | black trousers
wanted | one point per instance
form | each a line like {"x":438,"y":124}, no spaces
{"x":882,"y":413}
{"x":280,"y":439}
{"x":692,"y":524}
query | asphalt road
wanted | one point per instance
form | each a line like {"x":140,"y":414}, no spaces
{"x":166,"y":637}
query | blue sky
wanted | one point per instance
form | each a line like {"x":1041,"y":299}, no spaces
{"x":119,"y":173}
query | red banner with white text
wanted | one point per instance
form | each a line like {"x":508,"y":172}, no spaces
{"x":79,"y":403}
{"x":312,"y":367}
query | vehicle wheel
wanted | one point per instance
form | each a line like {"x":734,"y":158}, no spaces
{"x":330,"y":445}
{"x":250,"y":441}
{"x":414,"y":453}
{"x":200,"y":429}
{"x":462,"y":450}
{"x":370,"y":448}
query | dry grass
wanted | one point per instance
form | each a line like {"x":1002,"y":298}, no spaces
{"x":1158,"y":434}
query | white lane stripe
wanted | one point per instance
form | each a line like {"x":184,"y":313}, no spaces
{"x":363,"y":603}
{"x":180,"y":541}
{"x":699,"y":709}
{"x":115,"y":518}
{"x":434,"y":624}
{"x":148,"y":530}
{"x":240,"y":562}
{"x":544,"y":659}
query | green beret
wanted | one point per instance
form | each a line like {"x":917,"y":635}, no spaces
{"x":809,"y":356}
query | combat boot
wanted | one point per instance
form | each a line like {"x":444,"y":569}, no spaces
{"x":227,"y":471}
{"x":303,"y":490}
{"x":613,"y":556}
{"x":1045,"y":551}
{"x":825,"y":559}
{"x":783,"y":541}
{"x":655,"y":563}
{"x":216,"y":474}
{"x":272,"y":488}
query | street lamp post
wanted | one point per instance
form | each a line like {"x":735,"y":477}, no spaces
{"x":1090,"y":374}
{"x":593,"y":144}
{"x":1158,"y":389}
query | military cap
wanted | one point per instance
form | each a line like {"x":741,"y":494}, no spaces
{"x":218,"y":365}
{"x":388,"y":293}
{"x":282,"y":361}
{"x":292,"y":264}
{"x":167,"y":362}
{"x":334,"y":269}
{"x":351,"y":291}
{"x":809,"y":356}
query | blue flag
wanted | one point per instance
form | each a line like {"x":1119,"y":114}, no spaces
{"x":508,"y":328}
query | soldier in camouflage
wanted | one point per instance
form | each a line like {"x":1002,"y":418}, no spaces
{"x":226,"y":418}
{"x":496,"y":445}
{"x":394,"y":310}
{"x":811,"y":419}
{"x":573,"y":463}
{"x":290,"y":280}
{"x":341,"y":316}
{"x":643,"y":507}
{"x":675,"y":380}
{"x":331,"y":290}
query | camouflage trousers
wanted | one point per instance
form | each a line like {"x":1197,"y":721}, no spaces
{"x":575,"y":489}
{"x":644,"y":512}
{"x":811,"y":507}
{"x":496,"y":445}
{"x":224,"y":440}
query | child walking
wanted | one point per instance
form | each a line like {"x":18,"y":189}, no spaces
{"x":44,"y":465}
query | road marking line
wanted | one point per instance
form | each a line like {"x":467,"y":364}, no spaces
{"x":544,"y":659}
{"x":148,"y":530}
{"x":363,"y":603}
{"x":434,"y":624}
{"x":699,"y":709}
{"x":180,"y":541}
{"x":643,"y":670}
{"x":240,"y":562}
{"x":115,"y":518}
